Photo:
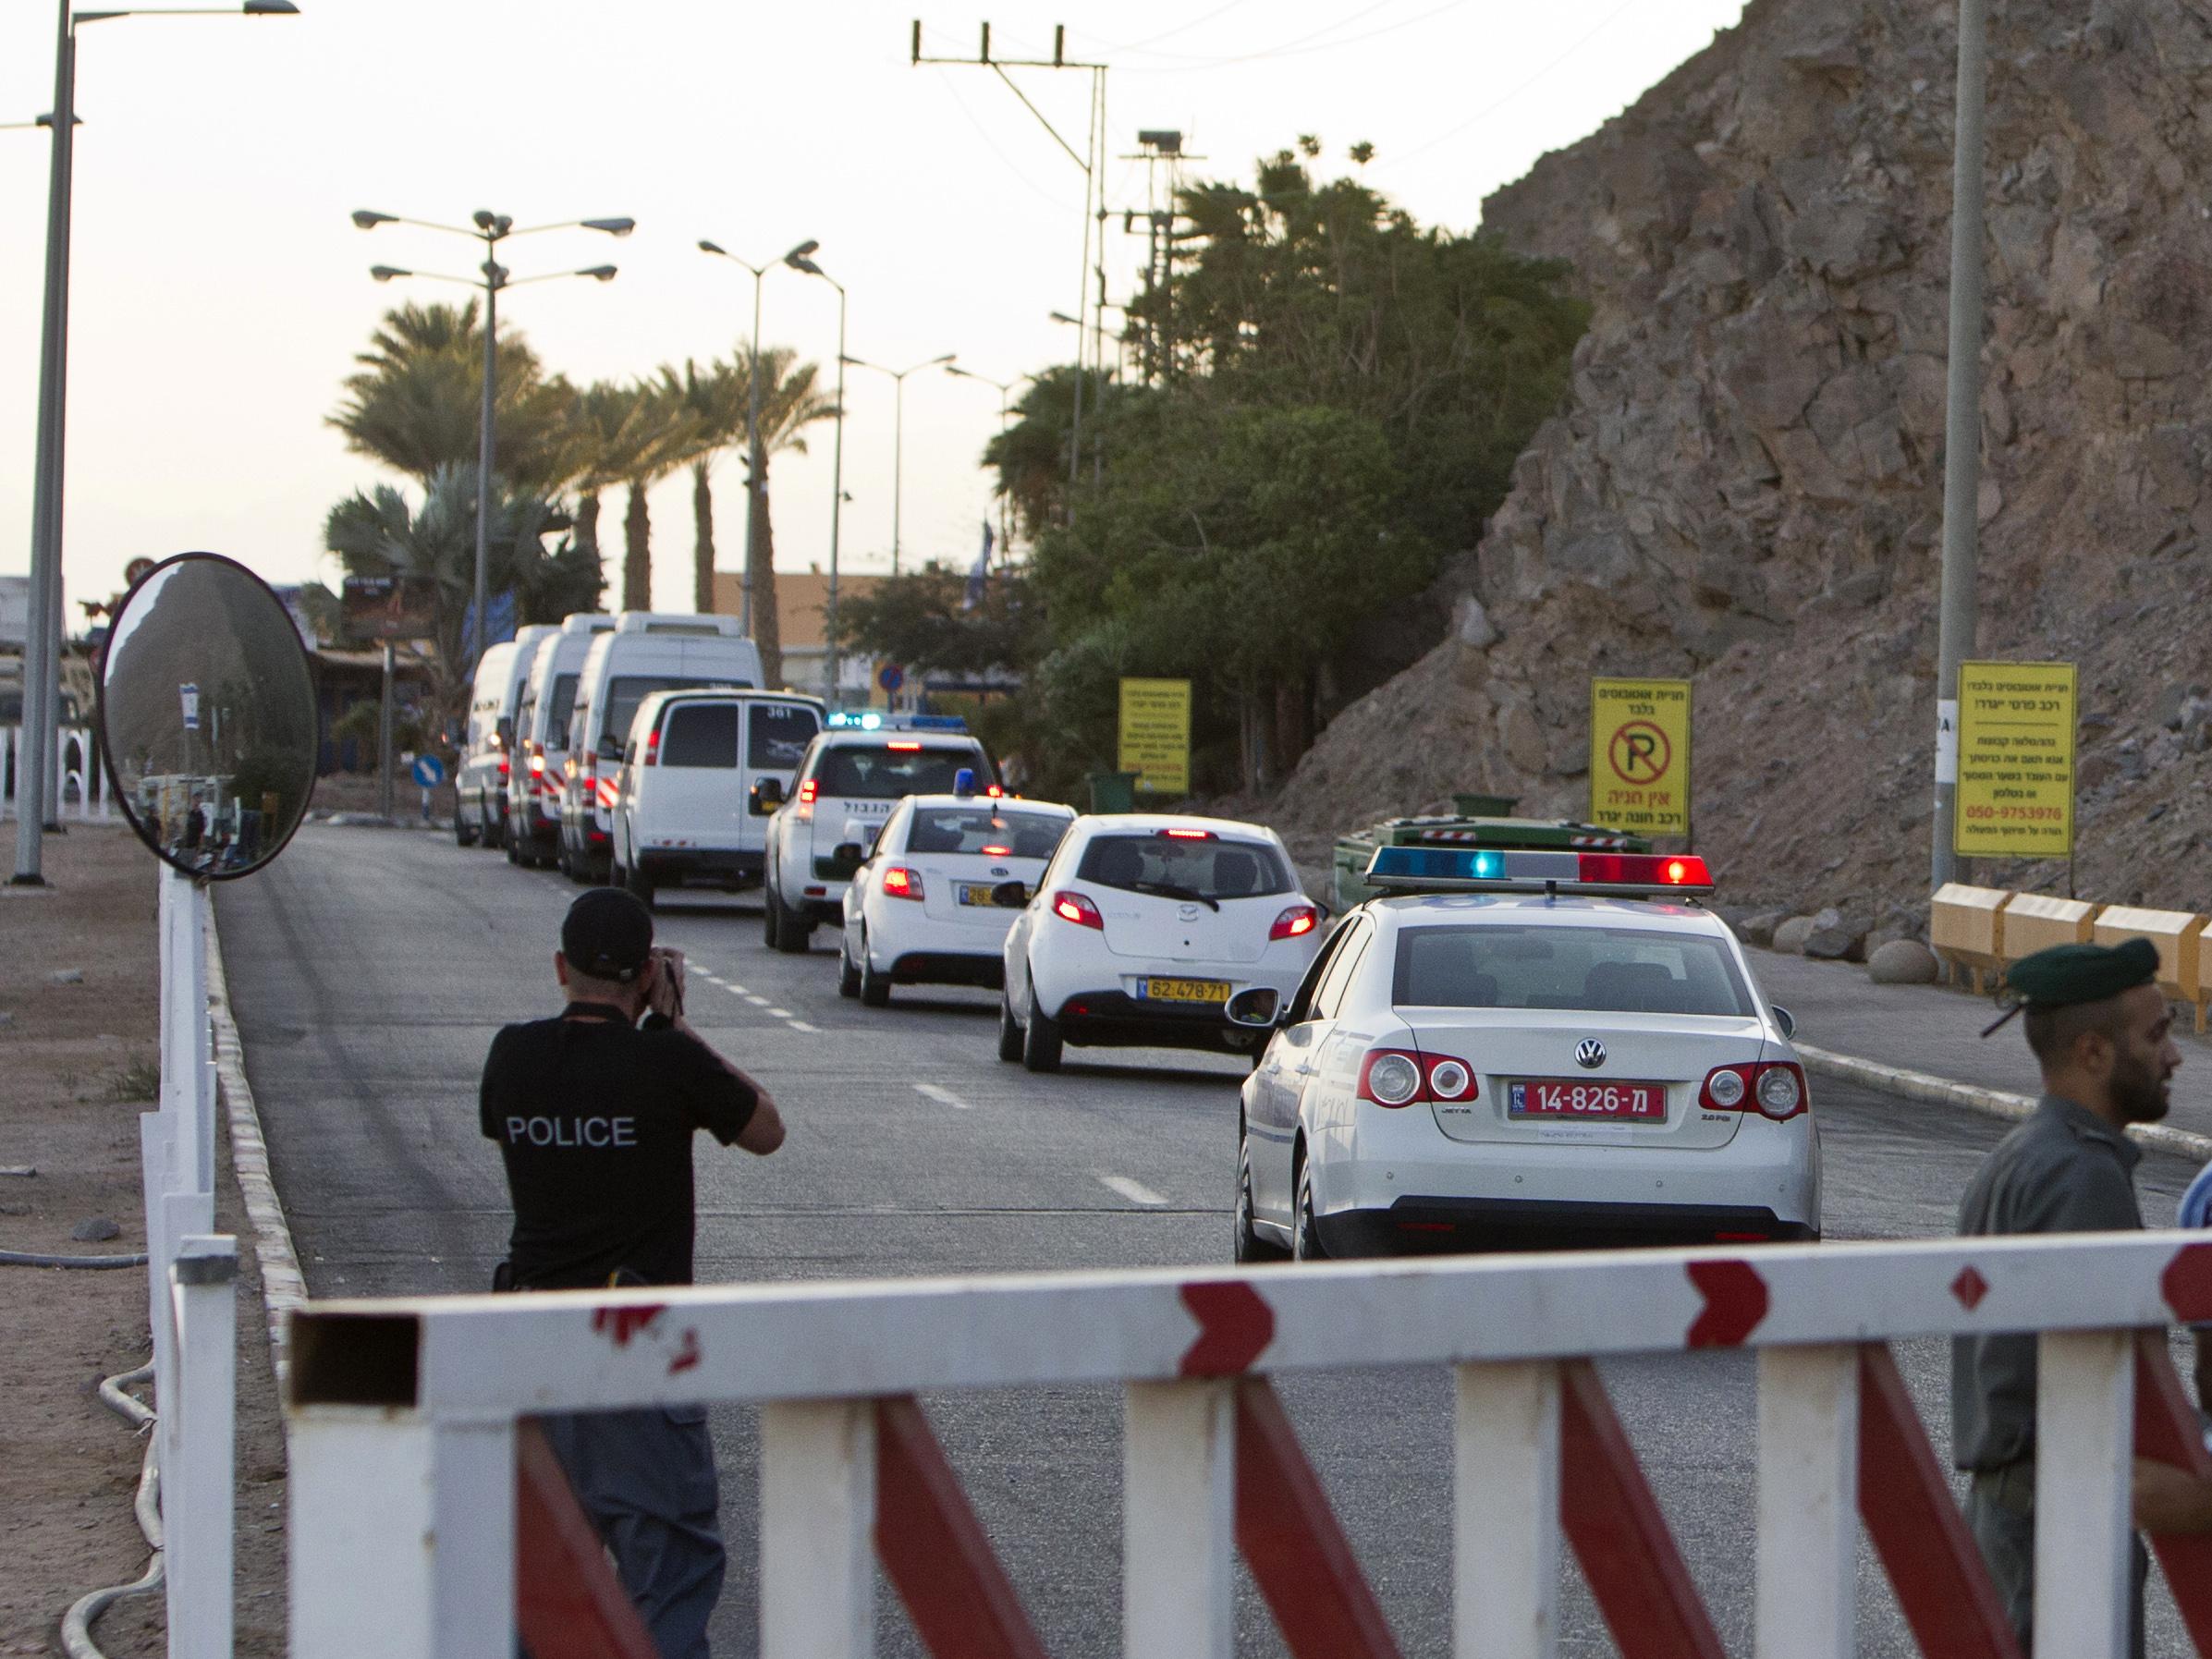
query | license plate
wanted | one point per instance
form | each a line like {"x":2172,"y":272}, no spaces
{"x":973,"y":893}
{"x":1568,"y":1099}
{"x":1159,"y":989}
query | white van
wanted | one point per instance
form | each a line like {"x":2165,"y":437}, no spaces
{"x":645,"y":651}
{"x":533,"y":785}
{"x":479,"y":784}
{"x":685,"y":815}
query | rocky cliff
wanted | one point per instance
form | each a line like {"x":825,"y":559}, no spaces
{"x":1746,"y":485}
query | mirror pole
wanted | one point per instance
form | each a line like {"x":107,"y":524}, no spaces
{"x":483,"y":458}
{"x":383,"y":739}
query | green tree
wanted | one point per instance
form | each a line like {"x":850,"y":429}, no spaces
{"x":929,"y":620}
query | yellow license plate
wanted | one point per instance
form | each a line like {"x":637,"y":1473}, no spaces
{"x":1158,"y":990}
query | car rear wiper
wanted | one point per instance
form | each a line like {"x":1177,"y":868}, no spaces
{"x":1169,"y":890}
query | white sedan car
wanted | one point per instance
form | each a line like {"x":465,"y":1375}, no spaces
{"x":932,"y":902}
{"x":1520,"y":1048}
{"x":1143,"y":928}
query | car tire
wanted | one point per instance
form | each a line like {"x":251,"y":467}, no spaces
{"x":849,"y":977}
{"x":771,"y":911}
{"x":514,"y":849}
{"x":875,"y":988}
{"x":1041,"y":1041}
{"x":640,"y":886}
{"x":792,"y":935}
{"x":462,"y":834}
{"x":1305,"y":1232}
{"x":1249,"y":1246}
{"x":1009,"y":1030}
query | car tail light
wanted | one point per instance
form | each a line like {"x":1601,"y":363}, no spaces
{"x":1774,"y":1088}
{"x":537,"y":762}
{"x":1295,"y":922}
{"x":1187,"y":834}
{"x":996,"y":793}
{"x":904,"y":747}
{"x":997,"y":852}
{"x":1450,"y":1079}
{"x":1400,"y":1077}
{"x":503,"y":765}
{"x":807,"y":791}
{"x":653,"y":748}
{"x":902,"y":883}
{"x":1077,"y":907}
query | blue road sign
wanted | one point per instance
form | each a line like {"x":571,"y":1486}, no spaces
{"x":430,"y":772}
{"x":890,"y":676}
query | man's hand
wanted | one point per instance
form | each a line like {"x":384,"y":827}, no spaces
{"x":665,"y":993}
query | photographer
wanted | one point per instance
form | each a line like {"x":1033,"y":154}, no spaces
{"x":594,"y":1112}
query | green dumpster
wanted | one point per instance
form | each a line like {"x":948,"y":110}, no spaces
{"x":1113,"y":791}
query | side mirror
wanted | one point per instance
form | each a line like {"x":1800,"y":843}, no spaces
{"x":848,"y":852}
{"x":506,"y":734}
{"x":1786,"y":1020}
{"x":1009,"y":895}
{"x":1260,"y":1007}
{"x":610,"y":747}
{"x":765,"y":797}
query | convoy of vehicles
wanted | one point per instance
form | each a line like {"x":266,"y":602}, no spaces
{"x":540,"y":745}
{"x":480,"y":812}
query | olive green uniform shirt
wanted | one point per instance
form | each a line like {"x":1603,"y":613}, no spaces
{"x":2062,"y":1170}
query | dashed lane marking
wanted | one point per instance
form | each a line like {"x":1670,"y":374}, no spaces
{"x":944,"y":1097}
{"x":801,"y":1025}
{"x":781,"y":1014}
{"x":758,"y":1002}
{"x":1137,"y":1192}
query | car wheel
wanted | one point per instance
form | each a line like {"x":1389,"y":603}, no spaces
{"x":1009,"y":1030}
{"x":792,"y":935}
{"x":462,"y":834}
{"x":849,"y":977}
{"x":1250,"y":1246}
{"x":641,"y":886}
{"x":514,"y":849}
{"x":875,"y":988}
{"x":1305,"y":1233}
{"x":1040,"y":1038}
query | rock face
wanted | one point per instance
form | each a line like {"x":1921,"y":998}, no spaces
{"x":1745,"y":488}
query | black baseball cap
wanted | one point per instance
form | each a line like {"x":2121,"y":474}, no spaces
{"x":608,"y":935}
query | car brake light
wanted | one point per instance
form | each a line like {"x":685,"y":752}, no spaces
{"x":1400,"y":1077}
{"x":1189,"y":835}
{"x":902,"y":883}
{"x":807,"y":792}
{"x":1293,"y":924}
{"x":537,"y":764}
{"x":996,"y":793}
{"x":1077,"y":907}
{"x":904,"y":747}
{"x":503,"y":765}
{"x":1775,"y":1088}
{"x":998,"y":852}
{"x":653,"y":748}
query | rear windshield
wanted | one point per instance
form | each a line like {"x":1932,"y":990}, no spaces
{"x":562,"y":706}
{"x":777,"y":738}
{"x":870,"y":771}
{"x":623,"y":696}
{"x":1174,"y":868}
{"x":699,"y":734}
{"x":1002,"y":834}
{"x":1599,"y":970}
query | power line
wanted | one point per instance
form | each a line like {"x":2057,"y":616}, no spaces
{"x":1484,"y":114}
{"x":1303,"y":45}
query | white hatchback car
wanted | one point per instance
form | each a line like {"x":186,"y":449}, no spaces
{"x":1143,"y":928}
{"x":1522,"y":1048}
{"x":933,"y":900}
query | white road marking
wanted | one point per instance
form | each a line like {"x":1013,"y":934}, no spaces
{"x":758,"y":1002}
{"x":944,"y":1097}
{"x":1137,"y":1192}
{"x":801,"y":1025}
{"x":731,"y":986}
{"x":781,"y":1014}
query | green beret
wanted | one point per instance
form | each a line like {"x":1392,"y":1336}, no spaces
{"x":2067,"y":974}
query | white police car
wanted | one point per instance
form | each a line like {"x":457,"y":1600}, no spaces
{"x":1141,"y":928}
{"x":932,"y":902}
{"x":1515,"y":1047}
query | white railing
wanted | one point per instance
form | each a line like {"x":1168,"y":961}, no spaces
{"x":84,"y":794}
{"x":404,"y":1439}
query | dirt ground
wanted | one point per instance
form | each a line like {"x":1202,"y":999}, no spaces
{"x":77,"y":1066}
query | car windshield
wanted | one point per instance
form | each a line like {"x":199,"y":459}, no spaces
{"x":562,"y":706}
{"x":1175,"y":867}
{"x":885,"y":772}
{"x":1599,"y":970}
{"x":625,"y":694}
{"x":1002,"y":834}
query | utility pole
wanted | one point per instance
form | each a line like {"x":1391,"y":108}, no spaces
{"x":1958,"y":607}
{"x":1094,"y":187}
{"x":1156,"y":147}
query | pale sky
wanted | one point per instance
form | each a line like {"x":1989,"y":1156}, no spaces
{"x":220,"y":290}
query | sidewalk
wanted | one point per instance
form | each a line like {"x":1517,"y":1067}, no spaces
{"x":1936,"y":1031}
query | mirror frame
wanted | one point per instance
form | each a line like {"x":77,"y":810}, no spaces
{"x":120,"y":793}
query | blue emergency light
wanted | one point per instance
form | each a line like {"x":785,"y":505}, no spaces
{"x":873,"y":720}
{"x":1497,"y":870}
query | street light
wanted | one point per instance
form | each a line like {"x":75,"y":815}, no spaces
{"x":801,"y":259}
{"x":753,"y":507}
{"x":37,"y":787}
{"x":898,"y":433}
{"x":491,"y":230}
{"x":1005,"y":391}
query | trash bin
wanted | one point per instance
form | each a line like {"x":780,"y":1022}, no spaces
{"x":1485,"y":805}
{"x":1113,"y":791}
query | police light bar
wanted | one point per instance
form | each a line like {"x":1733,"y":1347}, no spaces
{"x":873,"y":720}
{"x":1500,"y":869}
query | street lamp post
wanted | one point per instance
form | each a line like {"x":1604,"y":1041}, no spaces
{"x":801,"y":259}
{"x":1005,"y":391}
{"x":491,"y":230}
{"x":753,"y":431}
{"x":37,"y":787}
{"x":898,"y":433}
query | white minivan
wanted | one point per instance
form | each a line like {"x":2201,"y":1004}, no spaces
{"x":533,"y":785}
{"x":480,"y":785}
{"x":685,"y":815}
{"x":645,"y":651}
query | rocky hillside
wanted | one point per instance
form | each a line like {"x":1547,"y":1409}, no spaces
{"x":1746,"y":486}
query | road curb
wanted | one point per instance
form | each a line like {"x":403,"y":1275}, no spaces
{"x":284,"y":1288}
{"x":1993,"y":1103}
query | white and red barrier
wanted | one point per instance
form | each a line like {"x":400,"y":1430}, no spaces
{"x":409,"y":1497}
{"x":81,"y":794}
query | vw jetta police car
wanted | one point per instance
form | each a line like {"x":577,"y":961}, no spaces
{"x":1515,"y":1047}
{"x":930,"y":904}
{"x":861,"y":766}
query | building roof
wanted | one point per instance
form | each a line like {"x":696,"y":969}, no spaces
{"x":801,"y":596}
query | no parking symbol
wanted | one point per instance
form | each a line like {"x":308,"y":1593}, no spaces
{"x":1640,"y":755}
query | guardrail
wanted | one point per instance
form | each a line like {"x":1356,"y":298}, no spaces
{"x":83,"y":789}
{"x":1979,"y":931}
{"x":408,"y":1500}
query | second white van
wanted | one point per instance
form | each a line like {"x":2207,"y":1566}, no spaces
{"x":534,"y":783}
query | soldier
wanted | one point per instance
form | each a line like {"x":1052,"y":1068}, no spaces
{"x":2102,"y":1033}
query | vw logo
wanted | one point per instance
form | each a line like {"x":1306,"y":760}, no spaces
{"x":1589,"y":1052}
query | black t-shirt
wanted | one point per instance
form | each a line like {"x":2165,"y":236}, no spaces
{"x":594,"y":1119}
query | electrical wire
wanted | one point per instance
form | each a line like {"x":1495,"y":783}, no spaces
{"x":990,"y":143}
{"x":76,"y":1624}
{"x":1484,"y":114}
{"x":1169,"y":34}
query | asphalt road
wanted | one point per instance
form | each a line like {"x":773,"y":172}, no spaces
{"x":369,"y":969}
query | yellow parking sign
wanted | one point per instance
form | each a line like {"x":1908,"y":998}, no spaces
{"x":1640,"y":755}
{"x":1156,"y":734}
{"x":2016,"y":744}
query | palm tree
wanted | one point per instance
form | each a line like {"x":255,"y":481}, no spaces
{"x":789,"y":404}
{"x":714,"y":398}
{"x":658,"y":434}
{"x":602,"y":432}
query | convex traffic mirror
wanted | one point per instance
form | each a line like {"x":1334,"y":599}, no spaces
{"x":207,"y":716}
